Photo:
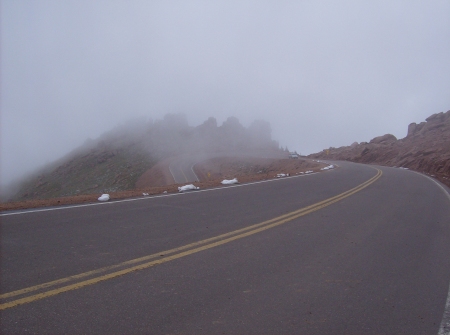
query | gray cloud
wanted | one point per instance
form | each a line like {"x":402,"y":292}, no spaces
{"x":323,"y":73}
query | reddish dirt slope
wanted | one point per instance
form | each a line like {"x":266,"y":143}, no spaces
{"x":250,"y":169}
{"x":158,"y":175}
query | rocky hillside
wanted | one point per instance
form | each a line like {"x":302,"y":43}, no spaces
{"x":116,"y":160}
{"x":112,"y":163}
{"x":426,"y":149}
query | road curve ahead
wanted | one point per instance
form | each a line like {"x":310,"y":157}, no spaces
{"x":181,"y":169}
{"x":355,"y":250}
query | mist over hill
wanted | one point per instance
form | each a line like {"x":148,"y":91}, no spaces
{"x":115,"y":160}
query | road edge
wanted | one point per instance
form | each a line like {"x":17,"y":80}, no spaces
{"x":444,"y":328}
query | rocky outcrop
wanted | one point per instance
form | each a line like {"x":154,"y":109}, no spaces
{"x":426,"y":148}
{"x":385,"y":139}
{"x":435,"y":121}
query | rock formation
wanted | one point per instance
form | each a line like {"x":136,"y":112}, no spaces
{"x":425,"y":149}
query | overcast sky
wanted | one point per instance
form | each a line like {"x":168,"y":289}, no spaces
{"x":323,"y":73}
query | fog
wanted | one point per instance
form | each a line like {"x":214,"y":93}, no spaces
{"x":323,"y":73}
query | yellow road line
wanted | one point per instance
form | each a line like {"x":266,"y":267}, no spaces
{"x":223,"y":239}
{"x":170,"y":251}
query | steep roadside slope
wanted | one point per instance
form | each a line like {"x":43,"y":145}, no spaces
{"x":100,"y":170}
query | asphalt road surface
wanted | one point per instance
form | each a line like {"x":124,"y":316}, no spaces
{"x":182,"y":170}
{"x":355,"y":250}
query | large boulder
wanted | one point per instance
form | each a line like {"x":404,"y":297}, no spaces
{"x":385,"y":139}
{"x":438,"y":117}
{"x":415,"y":128}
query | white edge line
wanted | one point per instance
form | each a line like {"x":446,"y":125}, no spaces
{"x":156,"y":196}
{"x":444,"y":328}
{"x":170,"y":170}
{"x":192,"y":169}
{"x":434,"y":181}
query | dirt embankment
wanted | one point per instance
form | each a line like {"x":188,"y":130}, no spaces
{"x":251,"y":169}
{"x":158,"y":175}
{"x":210,"y":172}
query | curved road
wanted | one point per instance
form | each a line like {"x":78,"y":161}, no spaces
{"x":181,"y":169}
{"x":355,"y":250}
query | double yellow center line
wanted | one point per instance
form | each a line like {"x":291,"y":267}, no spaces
{"x":93,"y":277}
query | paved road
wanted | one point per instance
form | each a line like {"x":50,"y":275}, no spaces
{"x":182,"y":170}
{"x":342,"y":252}
{"x":182,"y":167}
